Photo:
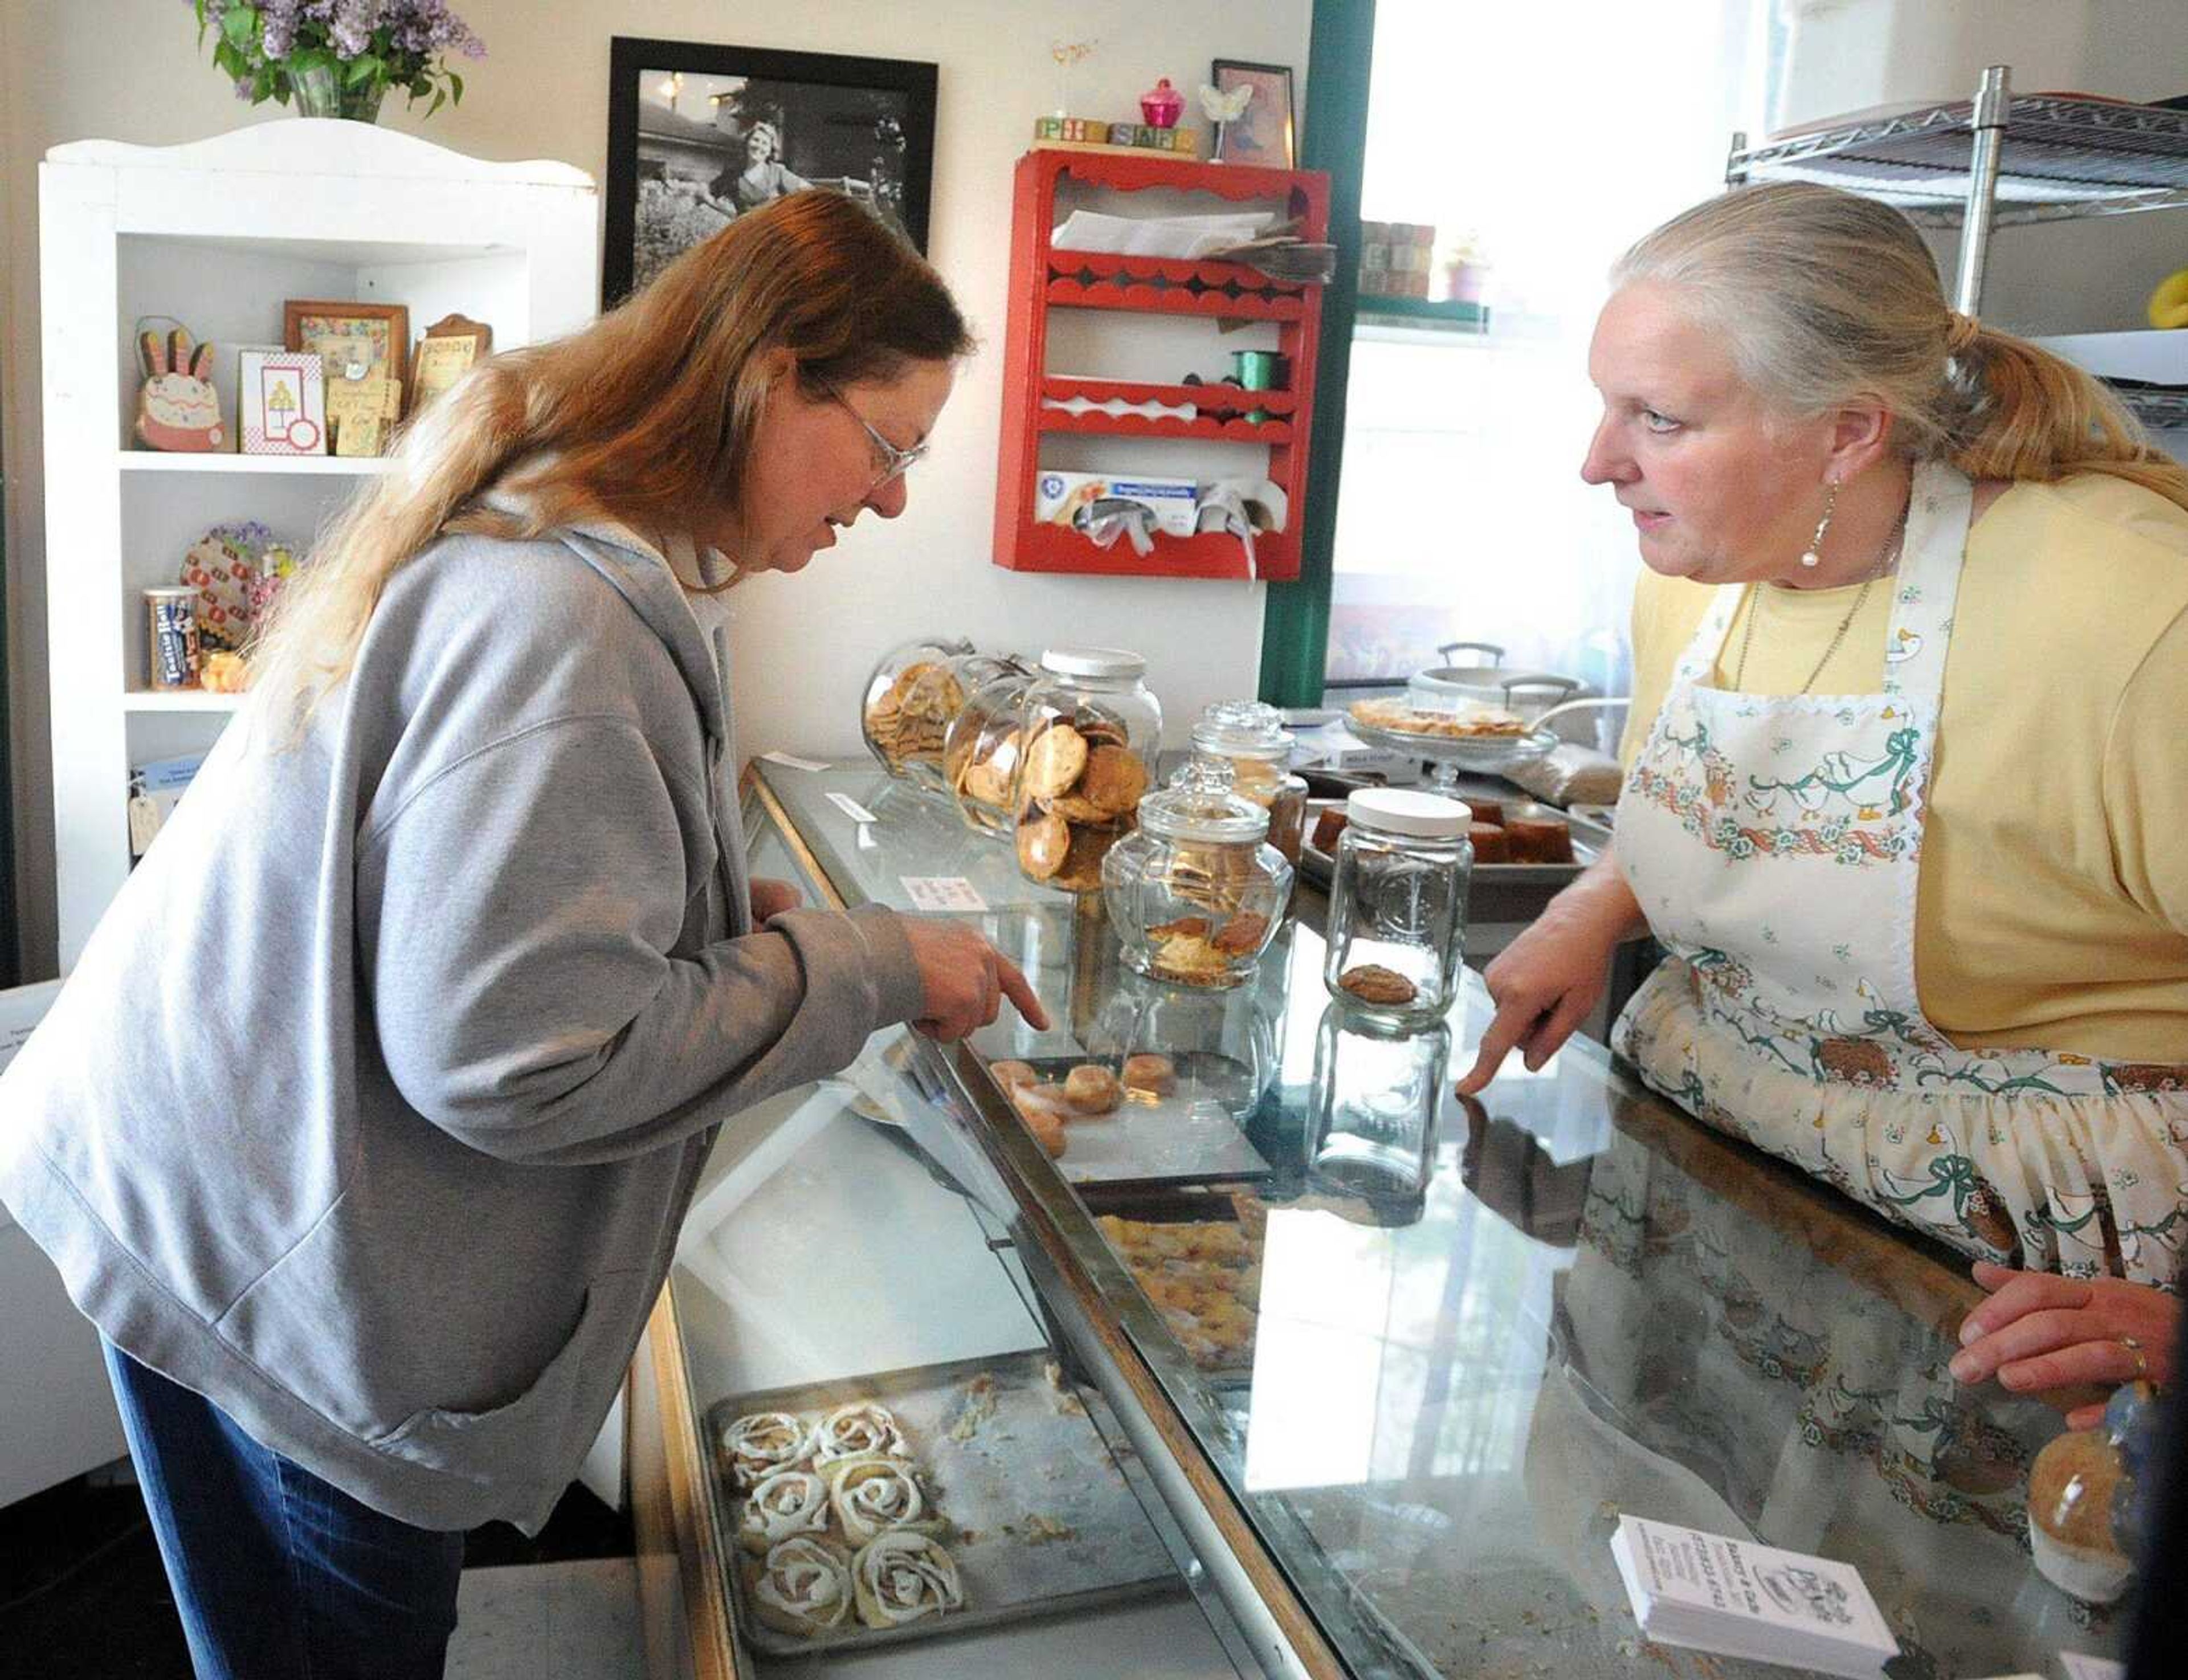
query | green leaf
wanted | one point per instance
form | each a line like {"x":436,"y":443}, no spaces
{"x":240,"y":25}
{"x":440,"y":98}
{"x":363,"y":70}
{"x":457,"y":82}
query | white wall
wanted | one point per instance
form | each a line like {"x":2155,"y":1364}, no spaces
{"x":130,"y":70}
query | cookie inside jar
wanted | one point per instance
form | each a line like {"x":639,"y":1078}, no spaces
{"x":1082,"y":748}
{"x":1197,"y":892}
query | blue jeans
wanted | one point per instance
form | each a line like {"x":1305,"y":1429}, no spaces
{"x":279,"y":1576}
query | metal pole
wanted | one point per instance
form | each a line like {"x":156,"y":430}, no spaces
{"x":1993,"y":98}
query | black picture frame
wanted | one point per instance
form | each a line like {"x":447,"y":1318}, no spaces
{"x":1256,"y":137}
{"x":865,"y":125}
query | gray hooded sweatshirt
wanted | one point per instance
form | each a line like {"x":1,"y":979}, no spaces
{"x":372,"y":1107}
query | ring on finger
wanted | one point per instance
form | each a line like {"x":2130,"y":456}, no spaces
{"x":2142,"y":1359}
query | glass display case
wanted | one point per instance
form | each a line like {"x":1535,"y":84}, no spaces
{"x":1205,"y":1396}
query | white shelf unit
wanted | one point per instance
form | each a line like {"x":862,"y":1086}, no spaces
{"x":217,"y":234}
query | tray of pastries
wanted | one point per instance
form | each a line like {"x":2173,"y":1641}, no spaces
{"x":1516,"y":842}
{"x":1196,"y":1257}
{"x":915,"y":1503}
{"x":1145,"y":1120}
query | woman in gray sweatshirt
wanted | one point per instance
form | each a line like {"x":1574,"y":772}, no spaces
{"x":363,"y":1127}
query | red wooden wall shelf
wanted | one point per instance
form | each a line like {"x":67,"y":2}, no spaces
{"x":1043,"y":280}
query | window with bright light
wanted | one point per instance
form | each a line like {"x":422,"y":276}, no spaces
{"x":1540,"y":141}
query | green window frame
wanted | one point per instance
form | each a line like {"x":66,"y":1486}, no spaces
{"x":1295,"y":622}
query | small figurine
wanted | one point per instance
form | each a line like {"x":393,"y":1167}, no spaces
{"x":1223,"y":106}
{"x":1162,"y":104}
{"x":177,"y":408}
{"x":2087,"y":1491}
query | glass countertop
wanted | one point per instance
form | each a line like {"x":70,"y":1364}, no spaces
{"x":1435,"y":1346}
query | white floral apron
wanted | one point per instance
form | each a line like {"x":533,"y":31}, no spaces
{"x":1774,"y":845}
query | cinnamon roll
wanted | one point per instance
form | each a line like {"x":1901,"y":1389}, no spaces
{"x":761,"y":1443}
{"x":785,"y":1505}
{"x":873,"y":1493}
{"x":862,"y":1426}
{"x":803,"y":1587}
{"x":901,"y":1575}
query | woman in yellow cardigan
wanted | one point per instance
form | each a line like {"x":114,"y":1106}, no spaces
{"x":1904,"y":799}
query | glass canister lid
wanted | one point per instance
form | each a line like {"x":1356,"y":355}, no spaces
{"x":1114,"y":662}
{"x":1199,"y":805}
{"x":1248,"y":726}
{"x":1404,"y":810}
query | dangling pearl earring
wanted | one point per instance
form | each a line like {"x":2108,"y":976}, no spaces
{"x":1814,"y":556}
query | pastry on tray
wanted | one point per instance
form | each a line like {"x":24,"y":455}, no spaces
{"x":785,"y":1505}
{"x":1092,"y":1088}
{"x":1203,"y":1277}
{"x":803,"y":1587}
{"x":1539,"y":839}
{"x":901,"y":1575}
{"x":874,"y":1493}
{"x":855,"y":1428}
{"x":760,"y":1443}
{"x":1397,"y":718}
{"x":1156,"y":1075}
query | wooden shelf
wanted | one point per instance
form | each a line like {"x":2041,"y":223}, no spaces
{"x":179,"y":700}
{"x":1045,"y":279}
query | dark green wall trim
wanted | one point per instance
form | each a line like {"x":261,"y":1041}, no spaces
{"x":11,"y":922}
{"x":1295,"y":628}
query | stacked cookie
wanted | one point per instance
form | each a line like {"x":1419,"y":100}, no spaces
{"x":1077,"y":790}
{"x":836,"y":1522}
{"x":906,"y":719}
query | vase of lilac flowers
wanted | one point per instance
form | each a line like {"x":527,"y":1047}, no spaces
{"x":338,"y":58}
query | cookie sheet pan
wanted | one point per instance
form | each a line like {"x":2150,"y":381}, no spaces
{"x":1039,"y":1517}
{"x":1154,"y":1142}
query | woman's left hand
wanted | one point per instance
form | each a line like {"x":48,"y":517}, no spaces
{"x":770,"y":897}
{"x":2040,"y":1333}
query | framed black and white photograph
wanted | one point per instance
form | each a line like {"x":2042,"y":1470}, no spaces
{"x":699,"y":134}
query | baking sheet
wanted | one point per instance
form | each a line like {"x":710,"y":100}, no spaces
{"x":1039,"y":1454}
{"x":1316,"y":864}
{"x":1186,"y":1138}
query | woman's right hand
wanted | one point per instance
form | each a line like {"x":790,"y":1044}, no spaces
{"x":963,"y":980}
{"x":1545,"y":982}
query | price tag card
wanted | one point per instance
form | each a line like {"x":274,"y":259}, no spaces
{"x":794,"y":761}
{"x":2080,"y":1667}
{"x":941,"y":892}
{"x":852,"y":808}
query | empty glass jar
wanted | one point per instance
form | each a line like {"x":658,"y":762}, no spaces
{"x":1197,"y":892}
{"x":1249,"y":736}
{"x":1397,"y":903}
{"x":1088,"y":730}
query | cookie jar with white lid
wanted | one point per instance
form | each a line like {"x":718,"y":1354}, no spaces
{"x":1397,"y":903}
{"x":1089,"y":729}
{"x":909,"y":703}
{"x":1197,"y":892}
{"x":1250,"y":737}
{"x":980,"y":752}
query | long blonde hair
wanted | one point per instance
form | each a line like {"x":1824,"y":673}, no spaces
{"x":645,"y":418}
{"x":1825,"y":297}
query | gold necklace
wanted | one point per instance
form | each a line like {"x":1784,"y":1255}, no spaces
{"x":1885,"y":563}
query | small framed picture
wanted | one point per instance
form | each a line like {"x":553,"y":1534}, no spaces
{"x":357,"y":340}
{"x":1262,"y":134}
{"x":282,"y":394}
{"x":445,"y":354}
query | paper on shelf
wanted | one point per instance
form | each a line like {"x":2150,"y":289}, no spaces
{"x":1181,"y":237}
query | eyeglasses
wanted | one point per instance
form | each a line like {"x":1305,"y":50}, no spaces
{"x":890,"y":463}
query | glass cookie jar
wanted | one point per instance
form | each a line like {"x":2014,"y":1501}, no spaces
{"x":915,"y":692}
{"x":1249,"y":736}
{"x":1197,"y":892}
{"x":980,"y":753}
{"x":1089,"y":730}
{"x":1397,"y":903}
